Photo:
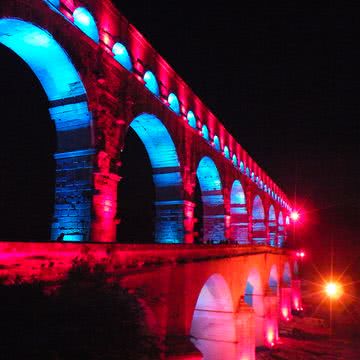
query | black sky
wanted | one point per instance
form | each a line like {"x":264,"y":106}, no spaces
{"x":283,"y":80}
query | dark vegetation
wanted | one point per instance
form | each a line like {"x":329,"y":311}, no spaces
{"x":85,"y":316}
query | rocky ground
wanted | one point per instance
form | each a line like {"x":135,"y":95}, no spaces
{"x":324,"y":349}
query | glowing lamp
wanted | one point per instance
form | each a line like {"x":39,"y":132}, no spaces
{"x":333,"y":290}
{"x":295,"y":216}
{"x":300,"y":254}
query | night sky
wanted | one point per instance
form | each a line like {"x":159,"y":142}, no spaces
{"x":281,"y":79}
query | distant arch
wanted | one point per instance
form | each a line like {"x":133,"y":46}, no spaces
{"x":281,"y":230}
{"x":226,"y":152}
{"x":191,"y":119}
{"x":212,"y":199}
{"x":122,"y":56}
{"x":174,"y":104}
{"x":272,"y":226}
{"x":217,"y":145}
{"x":151,"y":83}
{"x":205,"y":132}
{"x":234,"y":160}
{"x":238,"y":214}
{"x":274,"y":280}
{"x":84,"y":20}
{"x":258,"y":222}
{"x":286,"y":277}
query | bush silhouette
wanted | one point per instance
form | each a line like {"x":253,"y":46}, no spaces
{"x":86,"y":316}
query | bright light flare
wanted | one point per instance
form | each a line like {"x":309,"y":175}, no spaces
{"x":333,"y":290}
{"x":295,"y":216}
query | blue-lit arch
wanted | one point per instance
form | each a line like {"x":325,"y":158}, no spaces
{"x":205,"y":132}
{"x":213,"y":201}
{"x":247,"y":172}
{"x":274,"y":280}
{"x":217,"y":144}
{"x":68,"y":109}
{"x":122,"y":56}
{"x":151,"y":83}
{"x":253,"y":296}
{"x":226,"y":152}
{"x":242,"y":167}
{"x":166,"y":176}
{"x":287,"y":275}
{"x":281,"y":230}
{"x":234,"y":160}
{"x":86,"y":23}
{"x":174,"y":104}
{"x":191,"y":119}
{"x":258,"y":222}
{"x":272,"y":226}
{"x":238,"y":214}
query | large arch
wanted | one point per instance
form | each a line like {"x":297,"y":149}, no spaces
{"x":258,"y":222}
{"x":274,"y":280}
{"x":68,"y":109}
{"x":239,"y":216}
{"x":166,"y":177}
{"x":213,"y":328}
{"x":272,"y":226}
{"x":254,"y":298}
{"x":212,"y":200}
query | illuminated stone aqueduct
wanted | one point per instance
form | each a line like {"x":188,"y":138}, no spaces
{"x":101,"y":78}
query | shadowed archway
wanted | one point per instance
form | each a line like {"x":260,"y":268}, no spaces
{"x":239,"y":216}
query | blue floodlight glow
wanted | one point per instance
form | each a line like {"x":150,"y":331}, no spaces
{"x":205,"y":132}
{"x":226,"y":152}
{"x":237,"y":194}
{"x":166,"y":176}
{"x":151,"y":83}
{"x":281,"y":235}
{"x":191,"y":119}
{"x":174,"y":104}
{"x":258,"y":209}
{"x":217,"y":145}
{"x":253,"y":176}
{"x":69,"y":110}
{"x":213,"y":201}
{"x":122,"y":56}
{"x":234,"y":160}
{"x":86,"y":23}
{"x":247,"y":172}
{"x":272,"y":226}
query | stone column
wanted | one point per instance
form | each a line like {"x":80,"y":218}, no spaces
{"x":285,"y":302}
{"x":271,"y":315}
{"x":296,"y":294}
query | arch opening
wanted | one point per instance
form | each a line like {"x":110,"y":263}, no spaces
{"x":272,"y":226}
{"x":84,"y":20}
{"x":258,"y":222}
{"x":166,"y":178}
{"x":191,"y":119}
{"x":67,"y":105}
{"x":174,"y":104}
{"x":274,"y":280}
{"x":212,"y":201}
{"x":213,"y":329}
{"x":281,"y":230}
{"x":239,"y":215}
{"x":122,"y":56}
{"x":217,"y":145}
{"x":254,"y":297}
{"x":151,"y":83}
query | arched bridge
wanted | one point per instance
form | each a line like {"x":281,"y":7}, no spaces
{"x":102,"y":78}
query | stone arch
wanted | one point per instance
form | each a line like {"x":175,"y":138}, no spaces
{"x":213,"y":329}
{"x":166,"y":177}
{"x":272,"y":226}
{"x":274,"y":280}
{"x":212,"y":200}
{"x":254,"y":298}
{"x":281,"y":230}
{"x":258,"y":222}
{"x":286,"y":276}
{"x":239,"y":217}
{"x":68,"y":108}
